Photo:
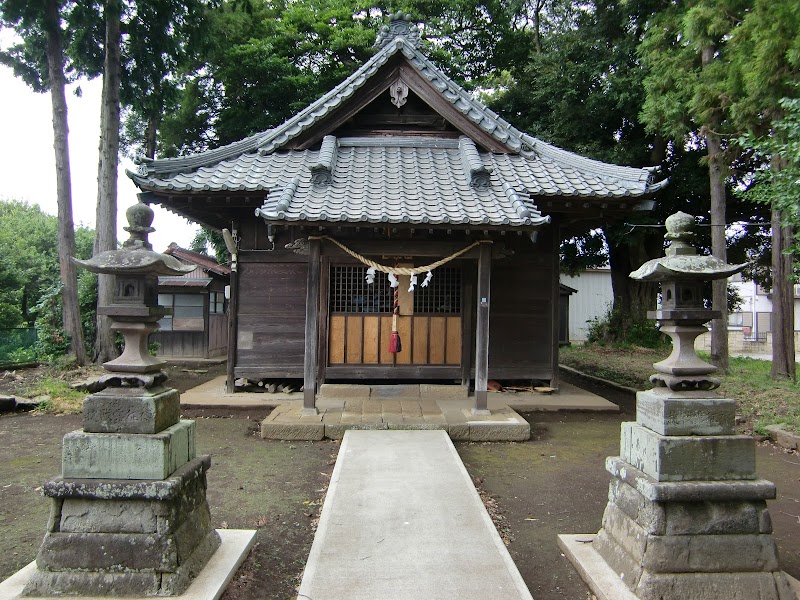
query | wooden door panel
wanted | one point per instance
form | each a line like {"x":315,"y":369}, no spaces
{"x":371,"y":340}
{"x":453,"y":337}
{"x":364,"y":339}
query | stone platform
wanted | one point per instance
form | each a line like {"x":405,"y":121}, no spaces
{"x":209,"y":584}
{"x":400,"y":407}
{"x":602,"y":580}
{"x":406,"y":406}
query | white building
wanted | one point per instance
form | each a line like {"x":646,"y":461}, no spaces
{"x":750,"y":328}
{"x":592,"y":299}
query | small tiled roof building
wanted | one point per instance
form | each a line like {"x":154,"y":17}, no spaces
{"x":197,"y":327}
{"x":396,"y":168}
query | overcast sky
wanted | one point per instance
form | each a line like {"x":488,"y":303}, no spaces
{"x":27,"y":164}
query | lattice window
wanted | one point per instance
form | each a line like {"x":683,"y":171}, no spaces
{"x":443,"y":294}
{"x":350,"y":293}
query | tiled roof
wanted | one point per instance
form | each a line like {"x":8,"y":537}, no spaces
{"x":405,"y":170}
{"x":183,"y":282}
{"x":270,"y":140}
{"x":397,"y":184}
{"x":201,"y":260}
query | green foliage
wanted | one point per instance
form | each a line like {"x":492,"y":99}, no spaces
{"x":28,"y":270}
{"x":779,"y":187}
{"x":17,"y":346}
{"x":761,"y":401}
{"x":63,"y":399}
{"x":266,"y":60}
{"x":210,"y":238}
{"x":51,"y":340}
{"x":683,"y":95}
{"x":29,"y":262}
{"x":625,"y":330}
{"x":586,"y":251}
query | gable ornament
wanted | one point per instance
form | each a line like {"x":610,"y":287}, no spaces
{"x":400,"y":25}
{"x":399,"y":93}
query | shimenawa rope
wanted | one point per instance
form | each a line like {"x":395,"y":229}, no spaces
{"x":400,"y":270}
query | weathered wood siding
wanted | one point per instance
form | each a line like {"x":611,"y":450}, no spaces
{"x":271,"y":327}
{"x":217,"y":335}
{"x":521,"y":317}
{"x":183,"y":344}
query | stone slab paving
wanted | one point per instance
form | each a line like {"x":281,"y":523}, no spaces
{"x":408,"y":406}
{"x":403,"y":521}
{"x":569,"y":397}
{"x":208,"y":585}
{"x":287,"y":422}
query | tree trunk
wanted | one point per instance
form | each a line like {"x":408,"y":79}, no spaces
{"x":153,"y":121}
{"x":66,"y":231}
{"x":719,"y":248}
{"x":106,"y":227}
{"x":632,"y":298}
{"x":783,"y":348}
{"x":537,"y":25}
{"x":719,"y":244}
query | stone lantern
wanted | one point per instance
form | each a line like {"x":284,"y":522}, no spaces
{"x":687,"y":516}
{"x":134,"y":309}
{"x":129,"y":515}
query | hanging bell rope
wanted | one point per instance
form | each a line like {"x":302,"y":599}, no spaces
{"x":400,"y":270}
{"x":395,"y":344}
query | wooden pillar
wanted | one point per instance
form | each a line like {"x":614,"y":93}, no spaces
{"x":312,"y":328}
{"x":482,"y":330}
{"x":555,"y":301}
{"x":468,"y":274}
{"x":233,"y":325}
{"x":324,"y":335}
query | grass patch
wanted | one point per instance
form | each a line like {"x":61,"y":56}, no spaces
{"x":628,"y":366}
{"x":761,"y":401}
{"x":62,"y":400}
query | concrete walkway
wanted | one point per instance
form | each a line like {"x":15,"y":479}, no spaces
{"x":403,"y":521}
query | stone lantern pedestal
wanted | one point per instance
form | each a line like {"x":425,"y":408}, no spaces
{"x":686,"y":516}
{"x":129,"y":515}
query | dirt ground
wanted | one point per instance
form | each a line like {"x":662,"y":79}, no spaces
{"x":554,"y":483}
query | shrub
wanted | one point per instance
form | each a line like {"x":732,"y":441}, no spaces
{"x":616,"y":328}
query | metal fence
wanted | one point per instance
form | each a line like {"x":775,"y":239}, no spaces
{"x":17,"y":346}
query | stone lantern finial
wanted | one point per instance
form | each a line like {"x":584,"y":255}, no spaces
{"x":140,"y":218}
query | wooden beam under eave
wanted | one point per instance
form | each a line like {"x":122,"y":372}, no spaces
{"x":312,"y":329}
{"x":482,"y":330}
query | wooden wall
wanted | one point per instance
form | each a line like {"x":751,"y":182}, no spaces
{"x":183,"y":344}
{"x":271,"y":324}
{"x":521,"y":317}
{"x":364,"y":340}
{"x":271,"y":320}
{"x":217,"y":335}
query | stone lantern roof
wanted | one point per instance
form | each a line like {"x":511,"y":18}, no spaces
{"x":681,"y":260}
